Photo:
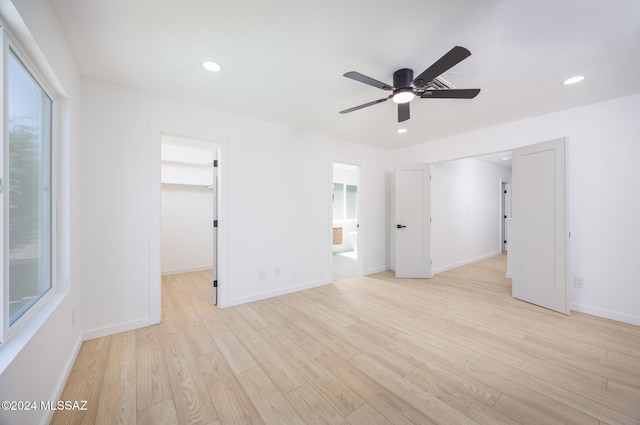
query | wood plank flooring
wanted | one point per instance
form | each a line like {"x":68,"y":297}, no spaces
{"x":455,"y":349}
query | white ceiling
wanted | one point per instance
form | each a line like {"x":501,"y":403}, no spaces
{"x":500,"y":159}
{"x":283,"y":60}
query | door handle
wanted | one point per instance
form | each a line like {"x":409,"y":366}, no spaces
{"x":400,"y":226}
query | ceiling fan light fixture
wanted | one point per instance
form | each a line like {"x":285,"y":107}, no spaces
{"x":573,"y":80}
{"x":426,"y":85}
{"x":403,"y":95}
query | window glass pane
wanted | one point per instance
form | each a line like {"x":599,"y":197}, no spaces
{"x":352,"y":202}
{"x":29,"y":189}
{"x":338,"y":202}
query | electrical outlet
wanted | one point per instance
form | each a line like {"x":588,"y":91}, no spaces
{"x":262,"y":274}
{"x":578,"y":282}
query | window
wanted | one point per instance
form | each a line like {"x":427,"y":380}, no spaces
{"x":345,"y":202}
{"x":338,"y":202}
{"x":26,"y":195}
{"x":351,"y":202}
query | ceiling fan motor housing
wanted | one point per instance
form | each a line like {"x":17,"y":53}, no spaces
{"x":426,"y":85}
{"x":402,"y":78}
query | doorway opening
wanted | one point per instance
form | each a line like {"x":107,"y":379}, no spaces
{"x":188,"y":207}
{"x":467,"y":209}
{"x":345,"y":225}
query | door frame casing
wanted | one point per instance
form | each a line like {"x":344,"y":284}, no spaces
{"x":361,"y":228}
{"x":156,"y":131}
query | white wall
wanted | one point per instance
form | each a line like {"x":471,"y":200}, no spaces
{"x":603,"y":151}
{"x":275,"y":209}
{"x":186,"y":228}
{"x":465,"y":208}
{"x":104,"y":237}
{"x":34,"y":364}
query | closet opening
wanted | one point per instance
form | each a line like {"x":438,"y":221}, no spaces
{"x":189,"y":208}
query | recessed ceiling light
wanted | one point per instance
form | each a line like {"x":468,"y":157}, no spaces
{"x":211,"y":66}
{"x":506,"y":158}
{"x":402,"y":130}
{"x":573,"y":80}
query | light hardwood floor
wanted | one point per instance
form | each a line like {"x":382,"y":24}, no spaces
{"x":455,"y":349}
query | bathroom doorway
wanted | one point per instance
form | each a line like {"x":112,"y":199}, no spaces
{"x":345,"y":222}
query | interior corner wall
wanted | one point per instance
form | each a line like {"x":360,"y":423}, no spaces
{"x":36,"y":361}
{"x":277,"y":203}
{"x":465,"y":208}
{"x":186,"y":228}
{"x":603,"y":144}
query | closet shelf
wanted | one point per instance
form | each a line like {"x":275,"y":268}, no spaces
{"x":177,"y":183}
{"x":187,"y":163}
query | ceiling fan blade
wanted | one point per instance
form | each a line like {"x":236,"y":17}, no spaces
{"x":450,"y":94}
{"x":355,"y":108}
{"x":367,"y":80}
{"x":449,"y":60}
{"x":403,"y":112}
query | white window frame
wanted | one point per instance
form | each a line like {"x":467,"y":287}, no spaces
{"x":8,"y":331}
{"x":344,"y":218}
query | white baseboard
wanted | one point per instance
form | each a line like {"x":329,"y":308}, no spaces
{"x":117,"y":328}
{"x":281,"y":291}
{"x":376,"y":270}
{"x":465,"y":262}
{"x":186,"y":270}
{"x":607,"y":314}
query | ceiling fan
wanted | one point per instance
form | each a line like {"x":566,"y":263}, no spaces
{"x":425,"y":85}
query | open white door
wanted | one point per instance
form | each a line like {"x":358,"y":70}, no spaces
{"x":413,"y":221}
{"x":539,"y":224}
{"x":214,"y":186}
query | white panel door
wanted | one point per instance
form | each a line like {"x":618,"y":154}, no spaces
{"x":540,"y":231}
{"x":413,"y":221}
